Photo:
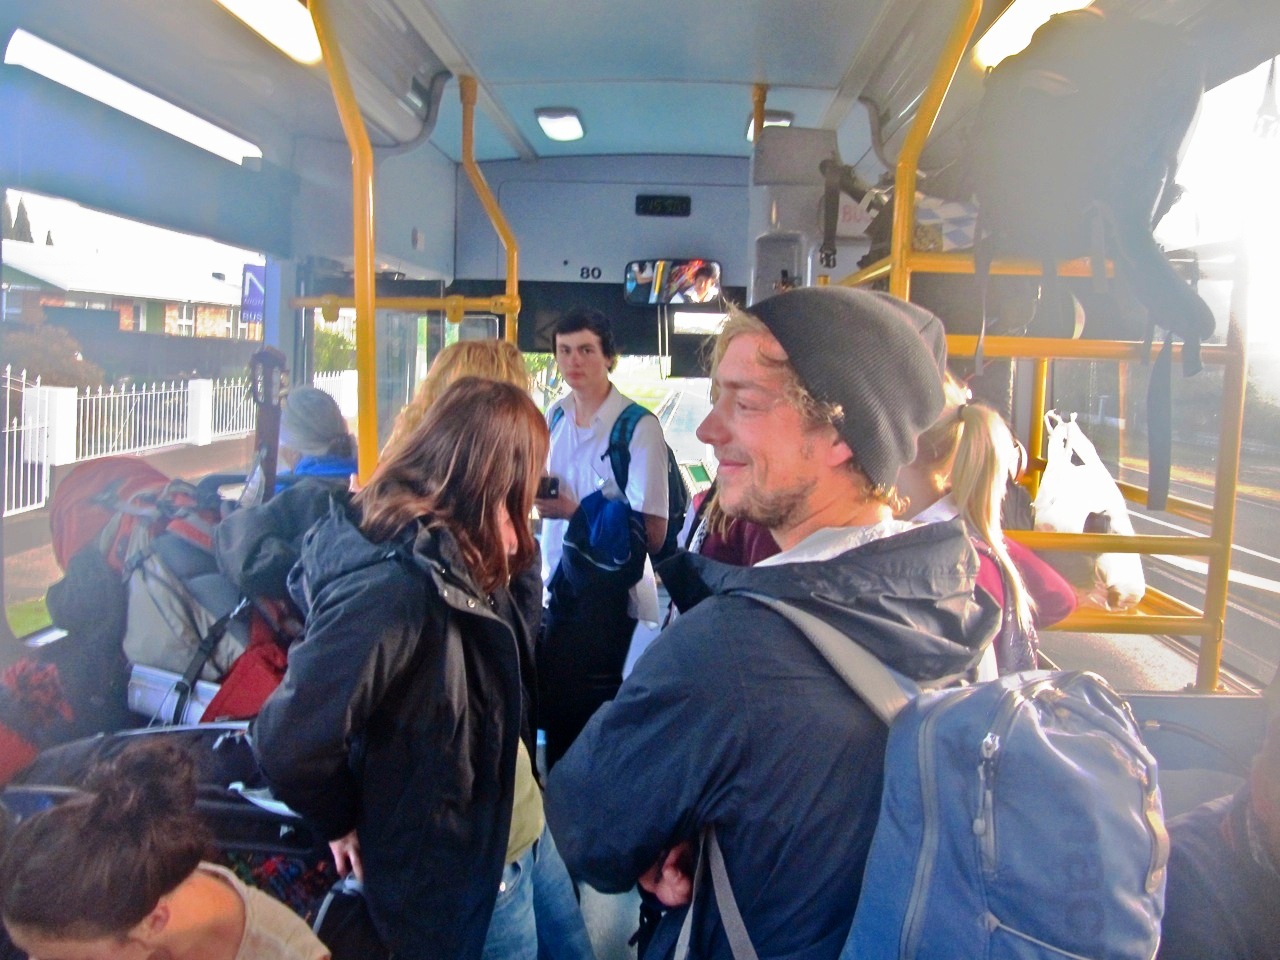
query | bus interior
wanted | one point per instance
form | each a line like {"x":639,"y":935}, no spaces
{"x":401,"y":178}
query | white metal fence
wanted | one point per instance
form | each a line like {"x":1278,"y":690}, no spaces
{"x":131,"y":419}
{"x":48,"y":426}
{"x":26,"y":443}
{"x":233,"y":410}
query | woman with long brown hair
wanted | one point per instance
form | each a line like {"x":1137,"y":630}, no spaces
{"x":396,"y":730}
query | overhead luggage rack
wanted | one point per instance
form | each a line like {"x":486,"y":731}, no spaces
{"x":1157,"y":612}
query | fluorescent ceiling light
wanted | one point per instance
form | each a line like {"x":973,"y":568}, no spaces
{"x":28,"y":51}
{"x":772,"y":118}
{"x":559,"y":123}
{"x":285,"y":24}
{"x":1013,"y":28}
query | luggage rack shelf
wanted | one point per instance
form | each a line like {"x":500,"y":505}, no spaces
{"x":1157,"y":612}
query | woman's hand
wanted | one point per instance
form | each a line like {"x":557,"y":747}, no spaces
{"x":346,"y":855}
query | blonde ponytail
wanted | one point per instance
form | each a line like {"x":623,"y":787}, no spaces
{"x":979,"y":473}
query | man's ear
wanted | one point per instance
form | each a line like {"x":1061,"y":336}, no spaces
{"x":839,"y":453}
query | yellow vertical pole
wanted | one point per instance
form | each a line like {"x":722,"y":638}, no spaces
{"x":1222,"y":528}
{"x":362,"y":212}
{"x":759,"y":93}
{"x":904,"y":191}
{"x":1035,"y":434}
{"x":467,"y":91}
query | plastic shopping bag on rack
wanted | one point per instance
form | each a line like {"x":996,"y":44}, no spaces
{"x":1078,"y":495}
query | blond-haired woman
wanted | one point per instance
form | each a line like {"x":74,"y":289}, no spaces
{"x":489,"y":359}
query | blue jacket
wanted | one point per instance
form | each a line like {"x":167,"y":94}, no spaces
{"x":732,"y":718}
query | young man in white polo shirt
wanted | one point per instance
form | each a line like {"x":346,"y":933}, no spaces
{"x":585,"y":641}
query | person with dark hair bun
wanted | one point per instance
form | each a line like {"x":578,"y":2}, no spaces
{"x":117,"y":871}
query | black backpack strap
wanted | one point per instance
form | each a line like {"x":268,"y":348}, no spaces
{"x":982,"y":273}
{"x":208,"y":643}
{"x":1160,"y":427}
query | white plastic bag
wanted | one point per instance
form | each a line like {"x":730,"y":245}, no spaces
{"x":1077,"y":495}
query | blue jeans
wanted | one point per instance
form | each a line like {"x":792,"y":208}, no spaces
{"x":512,"y":932}
{"x":562,"y":934}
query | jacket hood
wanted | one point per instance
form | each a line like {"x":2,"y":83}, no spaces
{"x":334,"y":547}
{"x":908,"y":599}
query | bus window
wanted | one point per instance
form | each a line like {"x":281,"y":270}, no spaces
{"x":120,"y":339}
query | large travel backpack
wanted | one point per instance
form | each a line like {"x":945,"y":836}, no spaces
{"x":619,"y":453}
{"x":1021,"y":817}
{"x":86,"y":507}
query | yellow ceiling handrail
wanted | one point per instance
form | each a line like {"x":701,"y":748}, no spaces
{"x":362,"y":216}
{"x":511,"y":303}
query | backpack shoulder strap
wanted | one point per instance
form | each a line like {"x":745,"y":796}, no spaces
{"x":885,"y":691}
{"x":557,"y":414}
{"x":619,"y":450}
{"x":735,"y":930}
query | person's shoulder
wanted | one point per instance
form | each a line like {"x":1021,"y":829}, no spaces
{"x":274,"y":932}
{"x":559,"y":408}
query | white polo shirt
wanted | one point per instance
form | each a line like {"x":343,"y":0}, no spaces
{"x":579,"y":457}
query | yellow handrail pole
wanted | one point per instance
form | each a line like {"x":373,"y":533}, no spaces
{"x":1225,"y":483}
{"x":362,"y":209}
{"x":904,"y":191}
{"x":467,"y":90}
{"x":1035,"y":434}
{"x":758,"y":94}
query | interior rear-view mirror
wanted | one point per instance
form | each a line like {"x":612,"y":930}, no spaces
{"x":672,"y":281}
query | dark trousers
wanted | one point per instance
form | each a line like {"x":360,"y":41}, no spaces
{"x":580,"y":661}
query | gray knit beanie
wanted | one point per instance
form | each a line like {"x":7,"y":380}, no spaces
{"x":312,"y":424}
{"x":879,"y":358}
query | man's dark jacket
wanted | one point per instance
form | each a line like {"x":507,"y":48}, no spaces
{"x":732,"y":718}
{"x":1223,"y":894}
{"x":399,"y":716}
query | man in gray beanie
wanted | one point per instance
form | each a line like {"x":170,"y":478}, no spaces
{"x":732,"y":718}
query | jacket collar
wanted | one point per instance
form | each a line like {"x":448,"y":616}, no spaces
{"x":908,"y":598}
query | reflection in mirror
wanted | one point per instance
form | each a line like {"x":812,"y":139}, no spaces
{"x":672,"y":281}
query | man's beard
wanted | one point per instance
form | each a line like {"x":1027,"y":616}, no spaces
{"x":773,"y":510}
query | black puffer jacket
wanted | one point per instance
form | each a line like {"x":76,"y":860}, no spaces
{"x":732,"y":718}
{"x":399,"y":716}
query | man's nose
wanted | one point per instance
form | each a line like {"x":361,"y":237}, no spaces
{"x":711,"y":429}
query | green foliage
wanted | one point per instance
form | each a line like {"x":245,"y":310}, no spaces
{"x":6,"y":221}
{"x":28,"y":616}
{"x":333,"y":352}
{"x":541,"y":367}
{"x":49,"y":352}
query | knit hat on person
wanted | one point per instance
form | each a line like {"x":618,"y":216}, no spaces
{"x":311,"y":422}
{"x":880,"y":359}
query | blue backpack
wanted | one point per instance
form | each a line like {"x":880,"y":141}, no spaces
{"x":619,"y":454}
{"x":1021,"y":818}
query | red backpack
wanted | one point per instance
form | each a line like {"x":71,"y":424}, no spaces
{"x":86,"y":502}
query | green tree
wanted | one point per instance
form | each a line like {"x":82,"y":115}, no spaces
{"x":49,"y":352}
{"x":333,"y":352}
{"x":22,"y":224}
{"x":48,"y":238}
{"x":6,"y":222}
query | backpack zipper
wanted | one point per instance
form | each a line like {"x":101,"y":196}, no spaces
{"x":913,"y":921}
